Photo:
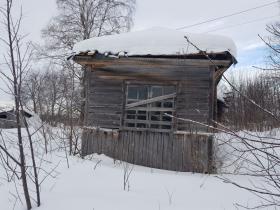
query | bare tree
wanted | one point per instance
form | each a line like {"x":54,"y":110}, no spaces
{"x":58,"y":94}
{"x":79,"y":20}
{"x":273,"y":45}
{"x":17,"y":61}
{"x":57,"y":98}
{"x":34,"y":165}
{"x":31,"y":89}
{"x":82,"y":19}
{"x":242,"y":114}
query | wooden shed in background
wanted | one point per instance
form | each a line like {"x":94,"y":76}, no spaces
{"x":136,"y":81}
{"x":8,"y":118}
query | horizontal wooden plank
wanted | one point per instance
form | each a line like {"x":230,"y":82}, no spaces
{"x":88,"y":60}
{"x":104,"y":100}
{"x":105,"y":111}
{"x":198,"y":118}
{"x":149,"y":101}
{"x":194,"y":84}
{"x":194,"y":99}
{"x":104,"y":91}
{"x":193,"y":111}
{"x":147,"y":121}
{"x":166,"y":74}
{"x":107,"y":116}
{"x":105,"y":96}
{"x":191,"y":98}
{"x":193,"y":106}
{"x":105,"y":85}
{"x":190,"y":90}
{"x":103,"y":123}
{"x":154,"y":109}
{"x":106,"y":126}
{"x":150,"y":130}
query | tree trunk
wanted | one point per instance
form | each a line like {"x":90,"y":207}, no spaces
{"x":16,"y":100}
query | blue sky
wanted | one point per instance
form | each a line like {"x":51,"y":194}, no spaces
{"x":247,"y":58}
{"x":251,"y":57}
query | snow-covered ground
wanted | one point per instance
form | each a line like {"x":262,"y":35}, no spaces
{"x":96,"y":183}
{"x":87,"y":186}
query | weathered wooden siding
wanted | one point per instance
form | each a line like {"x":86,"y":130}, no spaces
{"x":105,"y":96}
{"x":104,"y":101}
{"x":193,"y":99}
{"x":177,"y":152}
{"x":105,"y":92}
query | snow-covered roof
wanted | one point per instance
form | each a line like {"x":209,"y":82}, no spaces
{"x":156,"y":41}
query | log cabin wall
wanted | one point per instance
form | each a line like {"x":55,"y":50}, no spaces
{"x":105,"y":101}
{"x":107,"y":85}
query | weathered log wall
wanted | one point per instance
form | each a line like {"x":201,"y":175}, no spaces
{"x":195,"y":98}
{"x":177,"y":152}
{"x":104,"y":102}
{"x":106,"y":86}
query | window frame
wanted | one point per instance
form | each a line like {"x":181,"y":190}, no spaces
{"x":148,"y":122}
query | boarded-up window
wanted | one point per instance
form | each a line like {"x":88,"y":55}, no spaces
{"x":146,"y":106}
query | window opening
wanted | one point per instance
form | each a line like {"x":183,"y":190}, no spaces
{"x":146,"y":105}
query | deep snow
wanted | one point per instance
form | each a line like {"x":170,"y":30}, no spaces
{"x":83,"y":187}
{"x":97,"y":183}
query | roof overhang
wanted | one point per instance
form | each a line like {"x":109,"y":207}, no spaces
{"x":221,"y":60}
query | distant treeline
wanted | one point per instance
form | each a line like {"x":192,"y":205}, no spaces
{"x":242,"y":113}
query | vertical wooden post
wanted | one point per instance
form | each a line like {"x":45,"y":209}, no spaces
{"x":212,"y":102}
{"x":85,"y":136}
{"x":212,"y":116}
{"x":124,"y":96}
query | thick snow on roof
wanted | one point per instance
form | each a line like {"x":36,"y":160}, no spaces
{"x":156,"y":41}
